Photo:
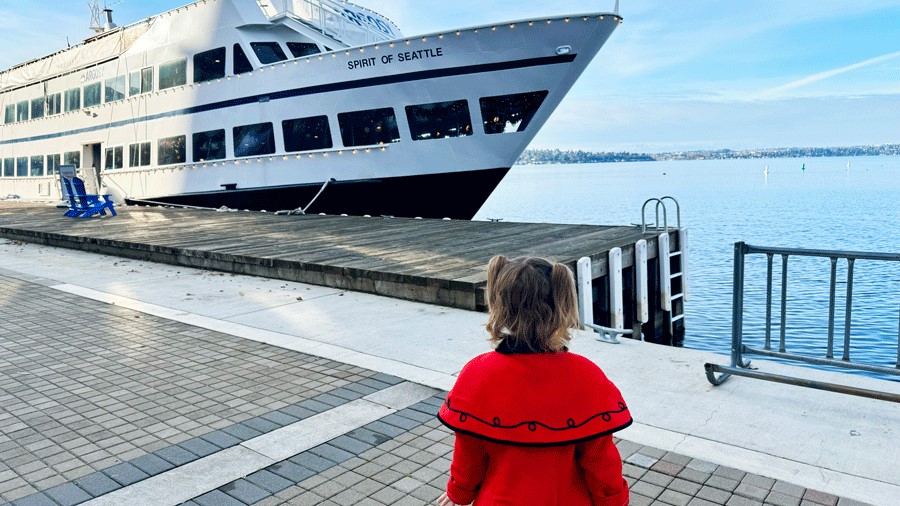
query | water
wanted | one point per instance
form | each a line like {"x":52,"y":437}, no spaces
{"x":835,"y":203}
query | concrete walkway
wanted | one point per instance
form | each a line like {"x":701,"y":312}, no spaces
{"x":184,"y":385}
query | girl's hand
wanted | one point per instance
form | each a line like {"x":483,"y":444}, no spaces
{"x":443,"y":500}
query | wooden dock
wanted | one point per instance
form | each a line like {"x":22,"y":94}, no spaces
{"x":434,"y":261}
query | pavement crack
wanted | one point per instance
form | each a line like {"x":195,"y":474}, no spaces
{"x":685,"y":436}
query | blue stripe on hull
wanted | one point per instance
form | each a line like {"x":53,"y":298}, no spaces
{"x":457,"y":195}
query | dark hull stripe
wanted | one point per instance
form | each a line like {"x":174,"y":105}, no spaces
{"x":457,"y":195}
{"x":313,"y":90}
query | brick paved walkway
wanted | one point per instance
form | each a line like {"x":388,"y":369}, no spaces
{"x":95,"y":398}
{"x":87,"y":386}
{"x":403,"y":460}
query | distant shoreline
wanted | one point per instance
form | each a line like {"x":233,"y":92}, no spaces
{"x":548,"y":156}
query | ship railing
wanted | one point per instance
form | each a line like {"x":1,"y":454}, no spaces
{"x":835,"y":357}
{"x":348,"y":23}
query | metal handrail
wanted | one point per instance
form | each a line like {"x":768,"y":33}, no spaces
{"x":740,"y":367}
{"x":335,"y":20}
{"x":677,"y":208}
{"x":660,"y":204}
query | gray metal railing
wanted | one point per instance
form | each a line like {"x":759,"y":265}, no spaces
{"x":351,"y":24}
{"x":660,"y":204}
{"x":741,"y":367}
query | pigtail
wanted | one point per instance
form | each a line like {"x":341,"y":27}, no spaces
{"x":494,"y":267}
{"x":565,"y":305}
{"x":495,"y":321}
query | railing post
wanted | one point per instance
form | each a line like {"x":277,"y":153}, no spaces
{"x":769,"y":257}
{"x":849,"y":310}
{"x":683,"y":248}
{"x":784,"y":273}
{"x":737,"y":305}
{"x":830,"y":351}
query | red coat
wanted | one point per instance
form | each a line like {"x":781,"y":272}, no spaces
{"x":534,"y":429}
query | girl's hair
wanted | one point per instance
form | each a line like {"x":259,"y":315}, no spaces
{"x":531,"y":301}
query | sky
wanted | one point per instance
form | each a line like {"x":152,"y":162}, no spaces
{"x":676,"y":75}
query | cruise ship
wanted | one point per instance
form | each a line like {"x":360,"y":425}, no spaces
{"x":314,"y":106}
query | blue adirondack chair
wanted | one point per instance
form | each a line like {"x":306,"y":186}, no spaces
{"x":83,"y":204}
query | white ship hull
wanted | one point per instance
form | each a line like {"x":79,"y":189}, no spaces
{"x":428,"y":177}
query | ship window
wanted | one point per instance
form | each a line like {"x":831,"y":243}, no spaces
{"x":364,"y":128}
{"x":306,"y":134}
{"x":209,"y":145}
{"x":9,"y":167}
{"x":22,"y":166}
{"x":253,"y":140}
{"x":241,"y":62}
{"x":37,"y":165}
{"x":439,"y":120}
{"x":171,"y":149}
{"x":54,"y":104}
{"x":301,"y":49}
{"x":113,"y":158}
{"x":268,"y":52}
{"x":510,"y":113}
{"x":134,"y":83}
{"x":173,"y":74}
{"x":72,"y":158}
{"x":37,"y":108}
{"x":147,"y":80}
{"x":53,"y":164}
{"x":115,"y":89}
{"x":92,"y":95}
{"x":22,"y":111}
{"x":10,"y":116}
{"x":140,"y":81}
{"x":139,"y":154}
{"x":73,"y":99}
{"x":209,"y":65}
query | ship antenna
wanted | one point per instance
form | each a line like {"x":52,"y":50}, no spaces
{"x":616,"y":10}
{"x":96,"y":24}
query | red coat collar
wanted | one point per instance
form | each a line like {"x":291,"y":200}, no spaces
{"x":541,"y":399}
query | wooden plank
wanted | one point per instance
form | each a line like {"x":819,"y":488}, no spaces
{"x":435,"y":261}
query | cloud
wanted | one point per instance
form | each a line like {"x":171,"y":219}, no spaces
{"x":782,"y":90}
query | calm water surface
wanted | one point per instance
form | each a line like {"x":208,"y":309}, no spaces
{"x":835,"y":203}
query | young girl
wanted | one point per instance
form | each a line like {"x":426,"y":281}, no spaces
{"x":533,"y":421}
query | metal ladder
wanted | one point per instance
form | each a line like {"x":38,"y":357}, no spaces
{"x":671,"y":300}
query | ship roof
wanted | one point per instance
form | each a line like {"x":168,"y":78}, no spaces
{"x":94,"y":49}
{"x":110,"y":44}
